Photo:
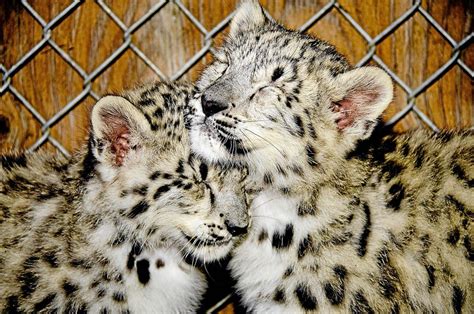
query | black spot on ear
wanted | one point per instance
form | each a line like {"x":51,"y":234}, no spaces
{"x":143,"y":271}
{"x":279,"y":296}
{"x":138,"y":209}
{"x":283,"y":240}
{"x":69,"y":288}
{"x":277,"y":73}
{"x":458,"y":299}
{"x":203,"y":170}
{"x":306,"y":299}
{"x":453,"y":236}
{"x":43,"y":304}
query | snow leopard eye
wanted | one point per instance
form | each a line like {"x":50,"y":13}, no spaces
{"x":258,"y":91}
{"x":268,"y":89}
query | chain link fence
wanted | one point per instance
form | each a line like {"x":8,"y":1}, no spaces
{"x":209,"y":36}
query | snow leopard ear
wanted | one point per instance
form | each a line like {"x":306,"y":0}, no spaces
{"x":248,"y":16}
{"x":361,"y":96}
{"x":117,"y":127}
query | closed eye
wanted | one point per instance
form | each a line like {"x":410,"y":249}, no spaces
{"x":271,"y":88}
{"x":258,"y":91}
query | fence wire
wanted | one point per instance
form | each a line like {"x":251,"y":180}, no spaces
{"x":88,"y":77}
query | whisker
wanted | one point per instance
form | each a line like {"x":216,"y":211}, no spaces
{"x":266,"y":141}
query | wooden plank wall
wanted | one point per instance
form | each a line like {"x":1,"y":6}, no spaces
{"x":414,"y":52}
{"x":169,"y":39}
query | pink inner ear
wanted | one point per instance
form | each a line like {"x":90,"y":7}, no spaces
{"x":347,"y":113}
{"x":118,"y":135}
{"x":120,"y":148}
{"x":353,"y":107}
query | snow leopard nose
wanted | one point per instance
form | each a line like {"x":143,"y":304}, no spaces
{"x":235,"y":230}
{"x":210,"y":107}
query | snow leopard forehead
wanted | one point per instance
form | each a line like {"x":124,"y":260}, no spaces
{"x":266,"y":50}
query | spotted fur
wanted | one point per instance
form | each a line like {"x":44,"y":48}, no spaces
{"x":117,"y":228}
{"x":343,"y":219}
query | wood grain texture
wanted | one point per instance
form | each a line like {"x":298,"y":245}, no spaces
{"x":414,"y":51}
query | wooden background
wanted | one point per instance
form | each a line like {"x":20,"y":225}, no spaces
{"x":414,"y":52}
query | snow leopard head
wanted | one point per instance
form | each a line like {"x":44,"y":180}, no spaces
{"x":144,"y":179}
{"x":280,"y":100}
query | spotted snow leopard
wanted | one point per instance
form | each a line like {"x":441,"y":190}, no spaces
{"x":109,"y":230}
{"x":344,"y":219}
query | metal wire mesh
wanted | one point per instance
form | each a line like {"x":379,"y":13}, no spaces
{"x":209,"y":35}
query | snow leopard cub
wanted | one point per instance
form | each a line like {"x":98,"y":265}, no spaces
{"x":341,"y":221}
{"x":109,"y":230}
